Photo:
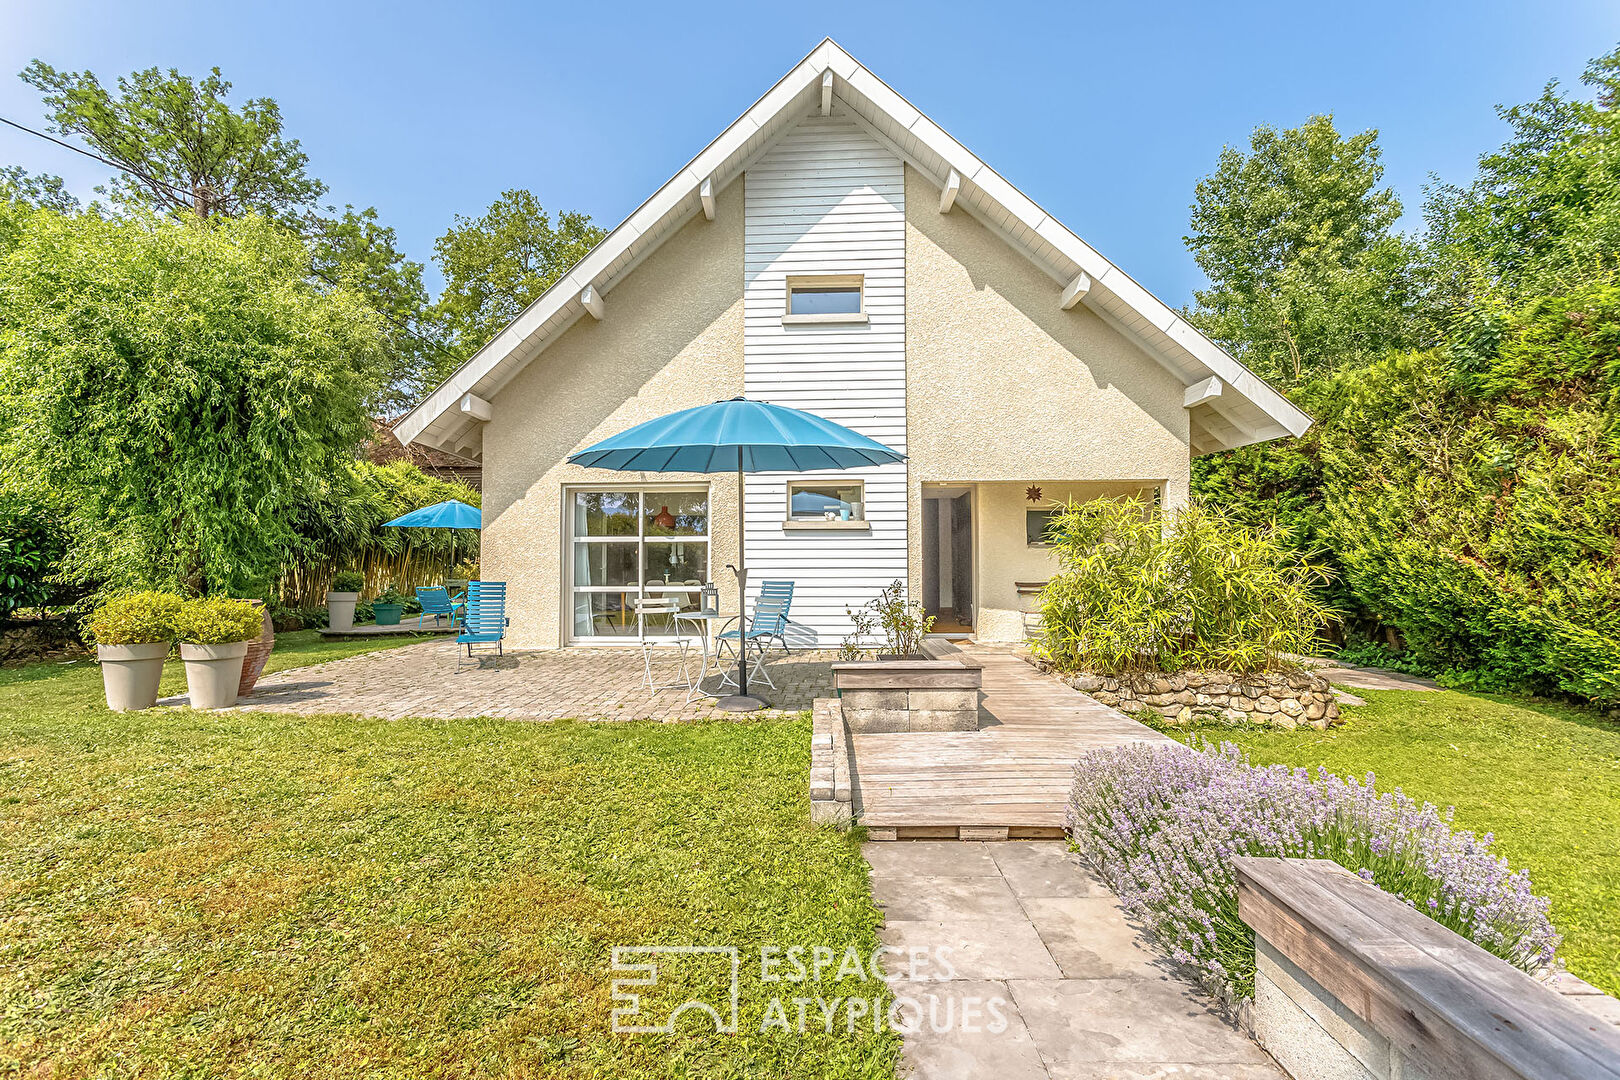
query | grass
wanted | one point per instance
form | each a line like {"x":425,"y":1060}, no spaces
{"x":1544,"y":778}
{"x":192,"y":894}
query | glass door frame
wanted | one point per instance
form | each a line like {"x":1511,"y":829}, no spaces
{"x":641,"y":540}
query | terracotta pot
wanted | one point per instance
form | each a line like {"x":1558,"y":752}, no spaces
{"x":130,"y":674}
{"x":340,"y":609}
{"x":213,"y":673}
{"x":258,"y":652}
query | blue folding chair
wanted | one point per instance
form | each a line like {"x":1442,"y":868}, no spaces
{"x":767,"y":624}
{"x":484,"y":622}
{"x":437,"y":603}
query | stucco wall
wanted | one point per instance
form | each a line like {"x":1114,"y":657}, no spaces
{"x":673,"y":338}
{"x":1001,"y":542}
{"x":1002,"y":384}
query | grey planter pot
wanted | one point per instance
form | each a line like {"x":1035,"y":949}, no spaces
{"x":130,"y":674}
{"x":340,"y":609}
{"x":213,"y":673}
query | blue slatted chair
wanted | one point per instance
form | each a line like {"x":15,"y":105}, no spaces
{"x":485,"y":620}
{"x":437,"y":603}
{"x":767,"y":624}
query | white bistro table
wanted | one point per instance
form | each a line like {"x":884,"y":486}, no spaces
{"x":703,"y":622}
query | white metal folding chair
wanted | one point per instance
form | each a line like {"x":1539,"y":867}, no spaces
{"x":666,"y":606}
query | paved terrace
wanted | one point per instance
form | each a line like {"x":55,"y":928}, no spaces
{"x":556,"y":684}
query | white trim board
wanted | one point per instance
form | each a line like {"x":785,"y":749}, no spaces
{"x":1249,"y":410}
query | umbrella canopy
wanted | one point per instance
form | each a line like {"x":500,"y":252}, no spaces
{"x":736,"y":435}
{"x":451,"y":514}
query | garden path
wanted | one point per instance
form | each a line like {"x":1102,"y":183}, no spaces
{"x":1366,"y":678}
{"x":1044,"y":978}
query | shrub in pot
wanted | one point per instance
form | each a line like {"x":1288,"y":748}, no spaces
{"x":389,"y":606}
{"x":132,"y":635}
{"x":214,"y":635}
{"x":904,"y":623}
{"x":342,"y":597}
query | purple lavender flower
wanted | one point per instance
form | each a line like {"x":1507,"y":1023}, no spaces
{"x":1162,"y":824}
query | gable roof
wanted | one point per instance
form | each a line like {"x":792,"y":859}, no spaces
{"x":1230,"y":406}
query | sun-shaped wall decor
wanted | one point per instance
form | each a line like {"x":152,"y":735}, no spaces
{"x":1032,"y":493}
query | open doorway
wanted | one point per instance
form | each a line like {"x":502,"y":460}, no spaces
{"x":947,"y":535}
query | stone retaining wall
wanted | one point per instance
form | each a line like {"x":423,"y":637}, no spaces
{"x":831,"y":794}
{"x":1275,"y":699}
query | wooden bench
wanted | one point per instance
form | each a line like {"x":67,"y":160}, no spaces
{"x":1353,"y":983}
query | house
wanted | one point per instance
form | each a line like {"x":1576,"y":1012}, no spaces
{"x":836,"y":251}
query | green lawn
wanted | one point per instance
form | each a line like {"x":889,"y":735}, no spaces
{"x":233,"y":894}
{"x":1544,"y":778}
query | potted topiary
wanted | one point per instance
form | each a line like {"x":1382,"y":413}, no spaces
{"x":132,"y":635}
{"x":214,"y":635}
{"x":389,"y":606}
{"x":340,"y":601}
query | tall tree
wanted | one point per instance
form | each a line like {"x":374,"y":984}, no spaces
{"x":181,"y":146}
{"x":354,"y":249}
{"x":1544,"y":211}
{"x":495,"y":265}
{"x":1295,"y":238}
{"x":42,"y":190}
{"x":183,"y":387}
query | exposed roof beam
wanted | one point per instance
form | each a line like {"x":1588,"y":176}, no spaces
{"x":947,"y":195}
{"x":706,"y":197}
{"x":476,"y":407}
{"x":1075,"y":291}
{"x":1199,"y":392}
{"x":826,"y":92}
{"x":592,"y":300}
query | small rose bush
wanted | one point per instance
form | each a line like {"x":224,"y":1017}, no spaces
{"x":1162,"y":824}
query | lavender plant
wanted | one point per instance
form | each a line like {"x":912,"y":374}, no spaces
{"x":1162,"y":824}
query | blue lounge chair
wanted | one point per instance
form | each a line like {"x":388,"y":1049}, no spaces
{"x":767,"y":624}
{"x":484,"y":622}
{"x":437,"y":603}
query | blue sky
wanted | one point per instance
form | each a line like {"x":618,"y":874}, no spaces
{"x":1105,"y":114}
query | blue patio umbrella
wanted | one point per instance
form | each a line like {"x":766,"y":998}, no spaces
{"x":451,"y":514}
{"x":740,"y":436}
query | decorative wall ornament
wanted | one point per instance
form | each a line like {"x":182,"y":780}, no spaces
{"x":1032,"y":493}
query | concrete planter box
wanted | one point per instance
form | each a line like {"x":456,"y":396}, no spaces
{"x":340,"y":609}
{"x":130,"y":674}
{"x":935,"y":694}
{"x":213,"y":673}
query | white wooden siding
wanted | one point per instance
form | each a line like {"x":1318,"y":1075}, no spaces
{"x":827,"y":198}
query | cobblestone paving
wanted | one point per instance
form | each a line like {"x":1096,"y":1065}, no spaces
{"x":585,"y":684}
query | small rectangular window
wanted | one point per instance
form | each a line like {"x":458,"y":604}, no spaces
{"x":834,"y":504}
{"x":826,"y":298}
{"x":1035,"y":526}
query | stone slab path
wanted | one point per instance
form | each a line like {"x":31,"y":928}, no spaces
{"x":1043,"y":978}
{"x":1365,"y":678}
{"x":579,"y":683}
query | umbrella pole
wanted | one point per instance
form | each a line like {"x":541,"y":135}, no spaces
{"x":742,"y":700}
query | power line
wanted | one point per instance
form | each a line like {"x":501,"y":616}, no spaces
{"x":181,"y":193}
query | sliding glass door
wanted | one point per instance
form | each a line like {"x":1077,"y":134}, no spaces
{"x":627,"y":544}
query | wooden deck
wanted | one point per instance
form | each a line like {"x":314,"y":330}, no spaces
{"x":1009,"y":779}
